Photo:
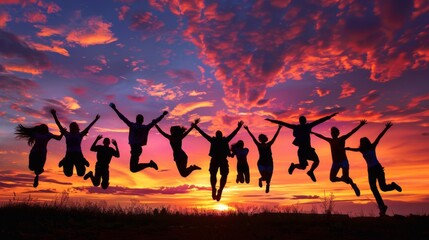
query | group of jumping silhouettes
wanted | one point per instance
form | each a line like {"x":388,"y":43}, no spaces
{"x":39,"y":136}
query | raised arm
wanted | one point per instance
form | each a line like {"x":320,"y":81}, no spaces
{"x":232,"y":135}
{"x":190,"y":129}
{"x":116,"y":154}
{"x":362,"y":122}
{"x":86,"y":130}
{"x":162,"y":132}
{"x":352,"y":149}
{"x":321,"y":120}
{"x":54,"y":114}
{"x":158,"y":119}
{"x":320,"y":136}
{"x":205,"y":135}
{"x":58,"y":137}
{"x":388,"y":125}
{"x":275,"y":135}
{"x":251,"y":135}
{"x":94,"y":144}
{"x":120,"y":115}
{"x":288,"y":125}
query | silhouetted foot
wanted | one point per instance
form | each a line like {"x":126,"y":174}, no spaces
{"x":88,"y":175}
{"x":61,"y":163}
{"x":311,"y":175}
{"x":219,"y":195}
{"x":260,"y":182}
{"x":214,"y":193}
{"x":291,"y":168}
{"x":356,"y":189}
{"x":153,"y":165}
{"x":36,"y":181}
{"x":236,"y":180}
{"x":383,"y":210}
{"x":86,"y":163}
{"x":267,"y":188}
{"x":397,"y":187}
{"x":196,"y":167}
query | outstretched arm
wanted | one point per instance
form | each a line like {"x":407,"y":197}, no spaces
{"x":190,"y":129}
{"x":120,"y":115}
{"x":251,"y":135}
{"x":321,"y":120}
{"x":58,"y":137}
{"x":158,"y":119}
{"x":320,"y":136}
{"x":352,"y":149}
{"x":362,"y":122}
{"x":205,"y":135}
{"x":54,"y":114}
{"x":288,"y":125}
{"x":275,"y":135}
{"x":86,"y":130}
{"x":232,"y":135}
{"x":162,"y":132}
{"x":116,"y":148}
{"x":94,"y":144}
{"x":388,"y":125}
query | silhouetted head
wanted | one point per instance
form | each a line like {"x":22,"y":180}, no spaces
{"x":263,"y":138}
{"x":139,"y":119}
{"x":302,"y":120}
{"x":238,"y":145}
{"x":365,"y":143}
{"x":219,"y":134}
{"x":74,"y":127}
{"x":335,"y":132}
{"x":42,"y":128}
{"x":177,"y":130}
{"x":106,"y":142}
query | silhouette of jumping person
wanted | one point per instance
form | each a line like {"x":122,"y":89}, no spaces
{"x":339,"y":156}
{"x":37,"y":137}
{"x":137,"y":137}
{"x":219,"y":151}
{"x":301,"y":132}
{"x":177,"y":134}
{"x":265,"y":161}
{"x":74,"y":156}
{"x":238,"y":150}
{"x":375,"y":169}
{"x":104,"y":156}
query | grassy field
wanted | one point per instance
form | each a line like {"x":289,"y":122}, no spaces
{"x":35,"y":221}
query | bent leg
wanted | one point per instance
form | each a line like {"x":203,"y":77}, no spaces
{"x":382,"y":182}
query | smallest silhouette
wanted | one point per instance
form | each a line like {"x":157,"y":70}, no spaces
{"x":37,"y":137}
{"x":265,"y":161}
{"x":104,"y":156}
{"x":243,"y":173}
{"x":375,"y":169}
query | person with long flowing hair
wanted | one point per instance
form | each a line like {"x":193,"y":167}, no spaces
{"x":37,"y":137}
{"x":243,"y":172}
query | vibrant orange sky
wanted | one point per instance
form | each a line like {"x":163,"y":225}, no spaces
{"x":221,"y":62}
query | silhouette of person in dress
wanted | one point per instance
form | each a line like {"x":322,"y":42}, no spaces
{"x":104,"y":156}
{"x":339,"y":156}
{"x":306,"y":152}
{"x":37,"y":137}
{"x":265,"y":161}
{"x":238,"y":150}
{"x":176,"y":136}
{"x":375,"y":169}
{"x":219,"y":151}
{"x":74,"y":156}
{"x":137,"y":137}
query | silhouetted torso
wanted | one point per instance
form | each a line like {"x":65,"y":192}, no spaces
{"x":73,"y":141}
{"x":265,"y":154}
{"x":219,"y":148}
{"x":41,"y":142}
{"x":302,"y":135}
{"x":337,"y":149}
{"x":138,"y":134}
{"x":104,"y":156}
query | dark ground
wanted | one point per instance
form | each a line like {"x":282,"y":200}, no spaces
{"x":36,"y":222}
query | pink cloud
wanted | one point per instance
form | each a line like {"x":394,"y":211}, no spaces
{"x":46,"y":31}
{"x":322,"y":92}
{"x":372,"y":97}
{"x":50,"y":7}
{"x":182,"y":75}
{"x":122,"y":12}
{"x":4,"y":19}
{"x":93,"y":31}
{"x":183,"y":108}
{"x":80,"y":91}
{"x":145,"y":21}
{"x":35,"y":17}
{"x":55,"y":48}
{"x":136,"y":98}
{"x":93,"y":68}
{"x":346,"y":90}
{"x":414,"y":102}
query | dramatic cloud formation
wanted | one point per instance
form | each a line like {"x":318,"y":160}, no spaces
{"x":93,"y":31}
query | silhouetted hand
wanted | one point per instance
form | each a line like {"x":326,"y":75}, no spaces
{"x":165,"y":113}
{"x":240,"y":123}
{"x":114,"y":142}
{"x":196,"y":121}
{"x":363,"y":122}
{"x":97,"y":117}
{"x":112,"y":105}
{"x":389,"y":124}
{"x":246,"y":127}
{"x":53,"y":111}
{"x":267,"y":119}
{"x":99,"y":137}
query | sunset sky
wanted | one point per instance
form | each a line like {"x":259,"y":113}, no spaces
{"x":221,"y":61}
